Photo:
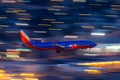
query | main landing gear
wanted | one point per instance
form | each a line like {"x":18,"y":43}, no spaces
{"x":58,"y":51}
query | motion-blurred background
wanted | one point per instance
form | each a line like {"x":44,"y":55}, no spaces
{"x":96,"y":20}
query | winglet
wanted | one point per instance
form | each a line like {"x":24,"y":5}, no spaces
{"x":24,"y":37}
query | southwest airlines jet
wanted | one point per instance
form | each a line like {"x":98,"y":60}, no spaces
{"x":58,"y":46}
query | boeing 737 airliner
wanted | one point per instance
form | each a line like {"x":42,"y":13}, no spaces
{"x":58,"y":46}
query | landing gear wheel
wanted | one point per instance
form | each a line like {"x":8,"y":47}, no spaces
{"x":57,"y":51}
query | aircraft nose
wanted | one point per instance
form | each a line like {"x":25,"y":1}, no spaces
{"x":94,"y":44}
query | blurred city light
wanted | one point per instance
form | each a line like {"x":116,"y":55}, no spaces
{"x":21,"y":24}
{"x":98,"y":34}
{"x":71,"y":36}
{"x":94,"y":72}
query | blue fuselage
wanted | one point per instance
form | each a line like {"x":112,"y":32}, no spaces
{"x":65,"y":44}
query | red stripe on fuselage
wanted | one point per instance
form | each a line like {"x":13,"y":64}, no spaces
{"x":79,"y":47}
{"x":82,"y":47}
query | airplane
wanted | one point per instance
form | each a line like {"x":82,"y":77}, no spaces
{"x":58,"y":46}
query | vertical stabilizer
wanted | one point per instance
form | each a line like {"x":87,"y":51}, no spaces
{"x":25,"y":39}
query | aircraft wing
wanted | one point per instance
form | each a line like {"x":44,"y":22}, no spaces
{"x":59,"y":46}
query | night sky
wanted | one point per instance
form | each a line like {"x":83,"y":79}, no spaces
{"x":56,"y":18}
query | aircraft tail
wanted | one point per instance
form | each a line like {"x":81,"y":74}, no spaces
{"x":24,"y":37}
{"x":27,"y":41}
